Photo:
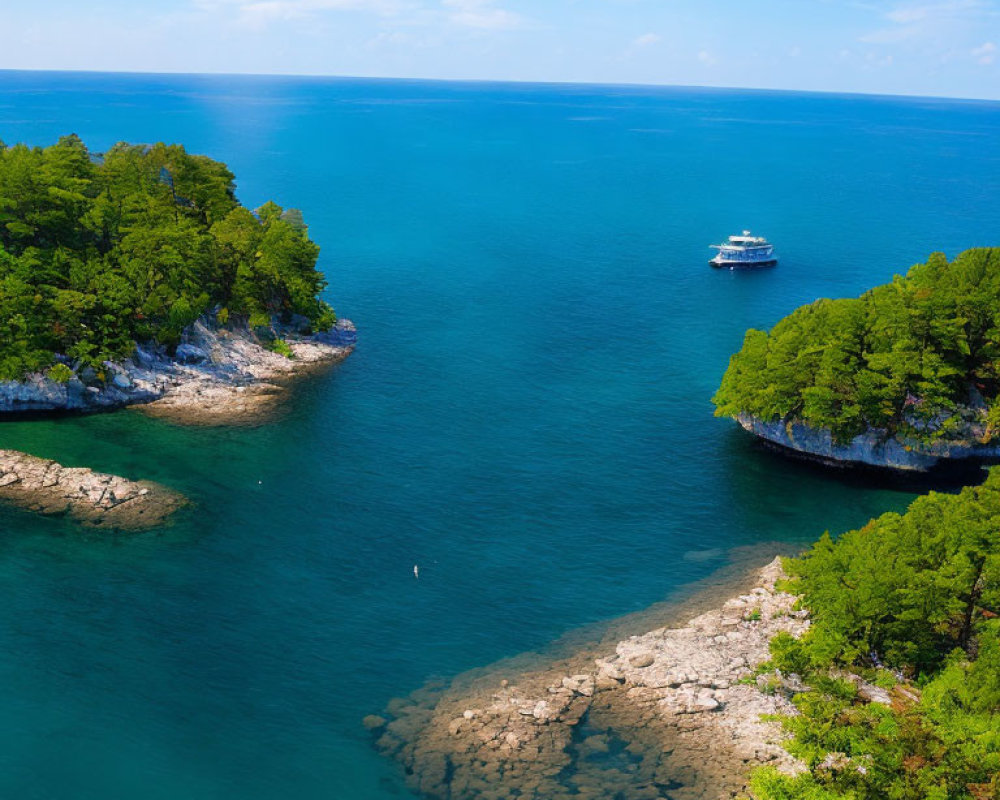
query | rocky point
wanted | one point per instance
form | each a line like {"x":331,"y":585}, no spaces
{"x":673,"y":713}
{"x":94,"y":498}
{"x":215,"y":376}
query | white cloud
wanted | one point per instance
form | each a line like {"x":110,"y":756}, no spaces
{"x":876,"y":60}
{"x":482,"y":14}
{"x":392,"y":38}
{"x":645,"y":40}
{"x":257,"y":13}
{"x":640,"y":43}
{"x":928,"y":21}
{"x":985,"y":54}
{"x":478,"y":14}
{"x":906,"y":16}
{"x":707,"y":58}
{"x":295,"y":8}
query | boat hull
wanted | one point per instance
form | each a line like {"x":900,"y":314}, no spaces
{"x":725,"y":264}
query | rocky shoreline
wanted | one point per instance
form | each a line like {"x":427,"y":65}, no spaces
{"x":93,"y":498}
{"x":672,"y":713}
{"x":217,"y":376}
{"x":873,"y":448}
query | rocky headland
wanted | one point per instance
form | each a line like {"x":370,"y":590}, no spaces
{"x":673,"y":713}
{"x":878,"y":448}
{"x":216,"y":376}
{"x":93,"y":498}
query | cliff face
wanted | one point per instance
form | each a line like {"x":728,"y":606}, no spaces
{"x":873,"y":448}
{"x":39,"y":393}
{"x":211,"y":366}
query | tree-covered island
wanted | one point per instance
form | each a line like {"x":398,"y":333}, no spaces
{"x":914,"y":363}
{"x":99,"y":252}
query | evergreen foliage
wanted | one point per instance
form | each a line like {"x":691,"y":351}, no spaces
{"x":98,"y":252}
{"x":911,"y":602}
{"x":903,"y":357}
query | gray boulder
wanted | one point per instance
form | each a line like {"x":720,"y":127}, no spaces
{"x":190,"y":354}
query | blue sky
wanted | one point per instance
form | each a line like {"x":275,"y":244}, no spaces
{"x":947,"y":48}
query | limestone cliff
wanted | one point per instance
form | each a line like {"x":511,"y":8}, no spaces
{"x":872,"y":448}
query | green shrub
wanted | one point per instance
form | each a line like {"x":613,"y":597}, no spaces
{"x":260,"y":320}
{"x":789,"y":654}
{"x":60,"y":373}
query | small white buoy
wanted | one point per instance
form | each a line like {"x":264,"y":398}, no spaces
{"x":416,"y":571}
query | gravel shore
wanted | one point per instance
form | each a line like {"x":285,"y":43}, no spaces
{"x":672,"y":713}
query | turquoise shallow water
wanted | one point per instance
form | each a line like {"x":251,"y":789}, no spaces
{"x":527,"y":416}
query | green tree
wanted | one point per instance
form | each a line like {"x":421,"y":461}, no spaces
{"x":904,"y":358}
{"x":100,"y":251}
{"x":916,"y":595}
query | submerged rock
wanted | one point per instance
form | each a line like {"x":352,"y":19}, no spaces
{"x":373,"y":722}
{"x":93,"y":498}
{"x":666,"y":714}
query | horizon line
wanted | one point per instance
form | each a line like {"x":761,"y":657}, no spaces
{"x":513,"y":81}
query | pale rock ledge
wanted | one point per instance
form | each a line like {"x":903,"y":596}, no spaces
{"x":95,"y":499}
{"x":670,"y":713}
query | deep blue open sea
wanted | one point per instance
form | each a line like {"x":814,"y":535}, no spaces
{"x":527,"y":416}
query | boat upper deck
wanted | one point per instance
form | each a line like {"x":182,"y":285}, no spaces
{"x":744,"y":241}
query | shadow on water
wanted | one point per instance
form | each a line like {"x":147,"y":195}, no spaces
{"x":949,"y":476}
{"x":51,"y":415}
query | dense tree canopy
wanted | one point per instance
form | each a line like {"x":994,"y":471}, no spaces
{"x":912,"y":596}
{"x":903,"y":357}
{"x":98,"y":252}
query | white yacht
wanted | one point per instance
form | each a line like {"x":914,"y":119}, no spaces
{"x":744,"y":251}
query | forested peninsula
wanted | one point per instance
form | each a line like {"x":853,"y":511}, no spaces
{"x":134,"y":276}
{"x":904,"y":376}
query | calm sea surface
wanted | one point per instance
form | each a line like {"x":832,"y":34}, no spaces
{"x":527,"y":416}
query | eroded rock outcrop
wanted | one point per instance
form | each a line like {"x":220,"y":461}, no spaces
{"x":228,"y":378}
{"x":93,"y":498}
{"x":873,"y":448}
{"x":216,"y":376}
{"x":668,"y":714}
